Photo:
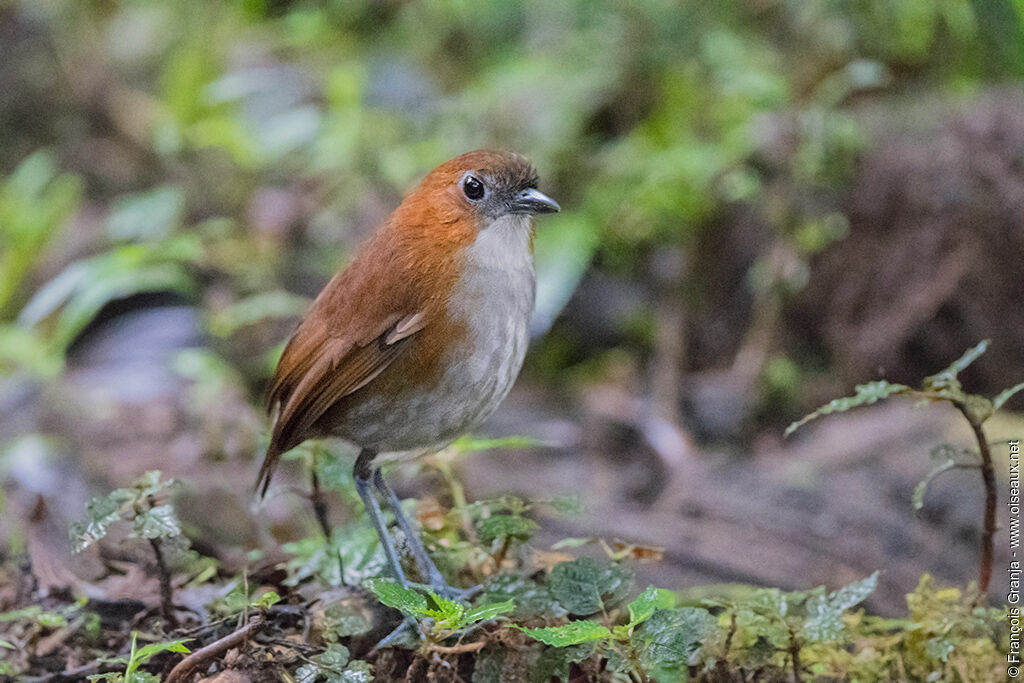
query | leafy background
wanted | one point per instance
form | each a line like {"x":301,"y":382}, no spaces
{"x":765,"y":203}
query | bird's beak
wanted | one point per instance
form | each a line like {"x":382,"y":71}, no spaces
{"x":534,"y":201}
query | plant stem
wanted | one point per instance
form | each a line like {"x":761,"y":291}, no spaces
{"x":794,"y":653}
{"x":988,"y":478}
{"x":166,"y":600}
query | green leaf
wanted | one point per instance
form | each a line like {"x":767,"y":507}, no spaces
{"x":393,"y":594}
{"x":101,"y":512}
{"x":866,"y":394}
{"x":668,"y":640}
{"x":447,"y":614}
{"x":489,"y":611}
{"x":146,"y":652}
{"x":1005,"y":395}
{"x":531,"y":600}
{"x":308,"y":673}
{"x":556,"y":662}
{"x":158,"y":522}
{"x":575,"y":585}
{"x":647,"y":602}
{"x":4,"y":643}
{"x":573,"y":633}
{"x":824,"y":622}
{"x":503,"y":526}
{"x":266,"y":600}
{"x":583,"y":587}
{"x":357,"y":671}
{"x":335,"y":657}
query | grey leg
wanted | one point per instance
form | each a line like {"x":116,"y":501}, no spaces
{"x":362,"y":473}
{"x":426,"y":566}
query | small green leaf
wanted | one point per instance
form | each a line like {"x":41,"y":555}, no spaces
{"x":1005,"y":396}
{"x":669,"y":638}
{"x":573,"y":633}
{"x":266,"y":600}
{"x":505,"y":526}
{"x":357,"y":671}
{"x":556,"y":662}
{"x":101,"y":512}
{"x":489,"y":611}
{"x":447,"y":614}
{"x":145,"y":653}
{"x":866,"y":394}
{"x":393,"y":594}
{"x":583,"y":587}
{"x":575,"y":585}
{"x":335,"y":657}
{"x":158,"y":522}
{"x":4,"y":643}
{"x":531,"y":599}
{"x":651,"y":599}
{"x":308,"y":673}
{"x":824,"y":621}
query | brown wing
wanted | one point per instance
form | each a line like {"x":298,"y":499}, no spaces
{"x":351,"y":334}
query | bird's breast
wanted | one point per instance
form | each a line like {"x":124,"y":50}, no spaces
{"x":484,"y":336}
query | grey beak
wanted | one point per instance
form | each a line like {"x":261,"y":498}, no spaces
{"x":534,"y":201}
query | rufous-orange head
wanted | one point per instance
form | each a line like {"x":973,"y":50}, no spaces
{"x":464,"y":195}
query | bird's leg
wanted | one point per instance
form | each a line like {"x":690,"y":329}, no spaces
{"x":428,"y":570}
{"x":363,"y":472}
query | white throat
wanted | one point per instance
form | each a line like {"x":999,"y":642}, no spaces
{"x":504,"y":245}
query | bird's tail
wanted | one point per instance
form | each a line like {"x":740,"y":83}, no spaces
{"x":267,"y":469}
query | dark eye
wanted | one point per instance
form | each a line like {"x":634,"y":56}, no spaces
{"x":473,"y":188}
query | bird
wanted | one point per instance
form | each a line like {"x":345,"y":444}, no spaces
{"x":420,"y":338}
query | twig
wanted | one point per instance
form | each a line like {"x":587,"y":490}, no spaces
{"x":455,"y":649}
{"x":988,"y":477}
{"x":186,"y":667}
{"x":166,"y":596}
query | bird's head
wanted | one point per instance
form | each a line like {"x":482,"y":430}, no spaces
{"x":470,"y":193}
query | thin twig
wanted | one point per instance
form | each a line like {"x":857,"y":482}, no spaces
{"x":194,"y":661}
{"x":988,"y":477}
{"x":458,"y":649}
{"x":166,"y":596}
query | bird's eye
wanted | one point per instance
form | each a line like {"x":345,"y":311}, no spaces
{"x":473,"y":188}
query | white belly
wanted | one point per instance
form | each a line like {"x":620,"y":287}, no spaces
{"x":494,"y":299}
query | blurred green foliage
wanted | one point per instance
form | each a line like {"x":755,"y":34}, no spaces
{"x":645,"y":119}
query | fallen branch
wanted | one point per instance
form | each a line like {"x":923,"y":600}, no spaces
{"x":189,"y":665}
{"x":455,"y":649}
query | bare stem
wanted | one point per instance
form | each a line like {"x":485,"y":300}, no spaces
{"x":166,"y":597}
{"x":988,"y":478}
